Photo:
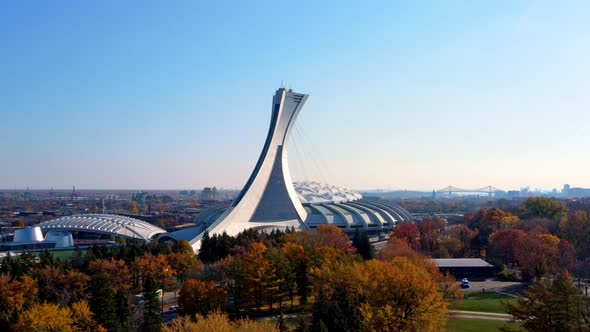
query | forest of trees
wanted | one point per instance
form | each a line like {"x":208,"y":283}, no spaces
{"x":250,"y":275}
{"x":332,"y":282}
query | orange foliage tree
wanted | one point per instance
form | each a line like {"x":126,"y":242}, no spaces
{"x":116,"y":270}
{"x":538,"y":255}
{"x":154,"y":268}
{"x":327,"y":235}
{"x":201,"y":297}
{"x":15,"y":296}
{"x":409,"y":233}
{"x":257,"y":273}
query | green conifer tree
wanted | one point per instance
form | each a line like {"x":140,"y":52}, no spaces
{"x":152,"y":313}
{"x":102,"y":301}
{"x":122,"y":310}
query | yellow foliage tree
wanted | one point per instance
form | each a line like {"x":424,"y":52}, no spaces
{"x":45,"y":318}
{"x":15,"y":296}
{"x":217,"y":321}
{"x":258,"y":272}
{"x":394,"y":295}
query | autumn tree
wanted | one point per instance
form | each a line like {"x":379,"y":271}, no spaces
{"x":285,"y":277}
{"x":182,"y":263}
{"x":509,"y":222}
{"x":465,"y":235}
{"x":133,"y":209}
{"x":504,"y":244}
{"x":538,"y":255}
{"x":396,"y":248}
{"x":329,"y":236}
{"x":542,"y":207}
{"x":449,"y":247}
{"x":431,"y":233}
{"x":551,"y":306}
{"x":257,"y":273}
{"x":233,"y":278}
{"x":15,"y":296}
{"x":394,"y":295}
{"x":301,"y":265}
{"x":46,"y":317}
{"x":217,"y":321}
{"x":59,"y":286}
{"x":485,"y":222}
{"x":576,"y":229}
{"x":202,"y":297}
{"x":154,"y":268}
{"x":409,"y":233}
{"x":83,"y":318}
{"x":116,"y":270}
{"x":566,"y":256}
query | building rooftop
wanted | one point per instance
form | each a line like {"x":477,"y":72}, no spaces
{"x":461,"y":262}
{"x":106,"y":224}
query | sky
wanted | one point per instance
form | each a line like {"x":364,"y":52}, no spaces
{"x":403,"y":94}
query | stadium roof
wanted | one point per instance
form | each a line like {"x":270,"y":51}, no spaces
{"x":105,"y":224}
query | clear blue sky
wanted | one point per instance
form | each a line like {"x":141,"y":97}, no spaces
{"x":403,"y":94}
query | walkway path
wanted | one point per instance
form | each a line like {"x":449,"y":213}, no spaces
{"x":480,"y":315}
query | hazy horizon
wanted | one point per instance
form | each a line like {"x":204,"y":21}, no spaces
{"x":413,"y":96}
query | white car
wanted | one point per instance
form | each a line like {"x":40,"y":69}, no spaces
{"x":464,"y":283}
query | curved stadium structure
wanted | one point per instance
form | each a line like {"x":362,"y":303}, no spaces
{"x":368,"y":214}
{"x":105,"y":224}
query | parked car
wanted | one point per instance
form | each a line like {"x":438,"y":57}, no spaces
{"x":464,"y":283}
{"x":173,"y":308}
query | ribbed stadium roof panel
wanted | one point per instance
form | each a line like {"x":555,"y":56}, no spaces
{"x":105,"y":224}
{"x":369,"y":214}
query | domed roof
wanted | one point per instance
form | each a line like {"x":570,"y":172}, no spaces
{"x":106,"y":224}
{"x":315,"y":193}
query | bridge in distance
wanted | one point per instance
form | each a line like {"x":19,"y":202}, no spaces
{"x":490,"y":190}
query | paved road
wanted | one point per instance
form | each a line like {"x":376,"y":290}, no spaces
{"x":454,"y":314}
{"x":285,"y":316}
{"x":503,"y":287}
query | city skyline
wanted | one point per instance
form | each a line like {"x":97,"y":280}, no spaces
{"x":402,"y":96}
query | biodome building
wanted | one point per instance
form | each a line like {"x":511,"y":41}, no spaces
{"x":270,"y":199}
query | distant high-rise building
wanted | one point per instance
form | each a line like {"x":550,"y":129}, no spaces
{"x":566,"y":190}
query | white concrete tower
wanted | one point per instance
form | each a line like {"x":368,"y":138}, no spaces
{"x":268,"y":200}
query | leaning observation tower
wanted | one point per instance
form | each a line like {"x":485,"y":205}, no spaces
{"x":268,"y":200}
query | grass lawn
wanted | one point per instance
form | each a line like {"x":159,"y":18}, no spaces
{"x":484,"y":302}
{"x":477,"y":325}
